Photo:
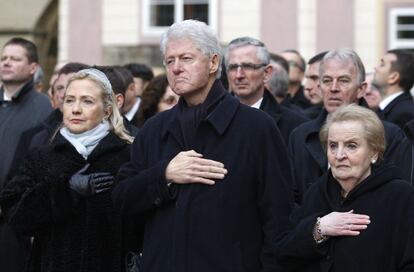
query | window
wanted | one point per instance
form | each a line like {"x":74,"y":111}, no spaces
{"x":401,"y":26}
{"x":158,"y":15}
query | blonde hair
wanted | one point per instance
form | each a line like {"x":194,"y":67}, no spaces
{"x":108,"y":97}
{"x":373,"y":128}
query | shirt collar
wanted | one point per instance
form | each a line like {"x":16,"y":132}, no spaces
{"x":258,"y":103}
{"x":384,"y":103}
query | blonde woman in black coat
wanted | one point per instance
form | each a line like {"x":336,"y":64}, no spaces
{"x":360,"y":215}
{"x":62,"y":195}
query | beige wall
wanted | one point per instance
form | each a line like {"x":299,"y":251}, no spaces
{"x":82,"y":31}
{"x":239,"y":18}
{"x":279,"y":24}
{"x":335,"y":24}
{"x":120,"y":22}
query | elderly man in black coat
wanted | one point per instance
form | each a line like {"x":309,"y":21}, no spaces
{"x":211,"y":174}
{"x":342,"y":81}
{"x":248,"y":68}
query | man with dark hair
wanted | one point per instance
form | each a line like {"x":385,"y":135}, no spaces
{"x":311,"y":86}
{"x":297,"y":67}
{"x":394,"y":78}
{"x":142,"y":76}
{"x":21,"y":108}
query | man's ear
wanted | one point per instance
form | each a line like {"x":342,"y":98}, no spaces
{"x":393,"y":78}
{"x":214,"y":63}
{"x":361,"y":89}
{"x":33,"y":67}
{"x":268,"y":72}
{"x":119,"y":99}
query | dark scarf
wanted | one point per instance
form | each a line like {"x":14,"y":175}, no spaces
{"x":190,"y":117}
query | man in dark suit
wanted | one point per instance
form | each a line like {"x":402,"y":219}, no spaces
{"x":247,"y":61}
{"x":211,"y":173}
{"x":342,"y":81}
{"x":394,"y":77}
{"x":297,"y":67}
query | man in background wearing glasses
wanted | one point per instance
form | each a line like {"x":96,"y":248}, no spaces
{"x":248,"y":68}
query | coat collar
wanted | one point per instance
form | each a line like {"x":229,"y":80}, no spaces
{"x":270,"y":106}
{"x":27,"y":87}
{"x":380,"y":175}
{"x":219,"y":118}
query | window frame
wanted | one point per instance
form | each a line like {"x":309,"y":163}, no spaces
{"x":156,"y":31}
{"x":393,"y":40}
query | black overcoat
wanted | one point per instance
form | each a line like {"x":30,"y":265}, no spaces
{"x":400,"y":110}
{"x":230,"y":226}
{"x":286,"y":120}
{"x":309,"y":158}
{"x":386,"y":245}
{"x":71,"y":233}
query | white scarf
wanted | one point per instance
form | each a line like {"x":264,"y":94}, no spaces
{"x":86,"y":142}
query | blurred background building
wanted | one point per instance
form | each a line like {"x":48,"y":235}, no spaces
{"x":121,"y":31}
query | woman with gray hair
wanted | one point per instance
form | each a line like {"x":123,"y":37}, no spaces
{"x":360,"y":215}
{"x":62,"y":194}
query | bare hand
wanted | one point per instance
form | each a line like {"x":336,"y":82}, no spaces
{"x":343,"y":224}
{"x":190,"y":167}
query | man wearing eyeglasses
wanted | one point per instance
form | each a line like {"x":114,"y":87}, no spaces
{"x":342,"y":82}
{"x":248,"y":68}
{"x":297,"y":66}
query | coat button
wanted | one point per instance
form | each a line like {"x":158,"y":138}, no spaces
{"x":157,"y":201}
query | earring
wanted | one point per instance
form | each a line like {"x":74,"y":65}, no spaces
{"x":373,"y":161}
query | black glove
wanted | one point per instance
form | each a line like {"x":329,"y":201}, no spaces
{"x":90,"y":184}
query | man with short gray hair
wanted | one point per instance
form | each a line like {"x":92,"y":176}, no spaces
{"x":248,"y":69}
{"x":342,"y":82}
{"x":211,"y":174}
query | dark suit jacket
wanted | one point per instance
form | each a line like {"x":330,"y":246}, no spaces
{"x":309,"y":158}
{"x":400,"y":110}
{"x":287,"y":120}
{"x":299,"y":99}
{"x":229,"y":226}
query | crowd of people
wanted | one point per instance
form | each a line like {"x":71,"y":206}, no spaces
{"x":234,"y":159}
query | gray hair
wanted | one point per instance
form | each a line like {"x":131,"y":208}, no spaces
{"x":279,"y":82}
{"x":262,"y":53}
{"x":200,"y":34}
{"x":345,"y":55}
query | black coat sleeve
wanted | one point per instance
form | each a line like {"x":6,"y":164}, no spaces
{"x":142,"y":187}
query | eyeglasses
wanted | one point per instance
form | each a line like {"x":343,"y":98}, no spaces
{"x":245,"y":67}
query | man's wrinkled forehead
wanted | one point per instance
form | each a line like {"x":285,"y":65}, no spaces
{"x":333,"y":66}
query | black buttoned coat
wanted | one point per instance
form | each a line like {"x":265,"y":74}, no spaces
{"x":309,"y":158}
{"x":229,"y":226}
